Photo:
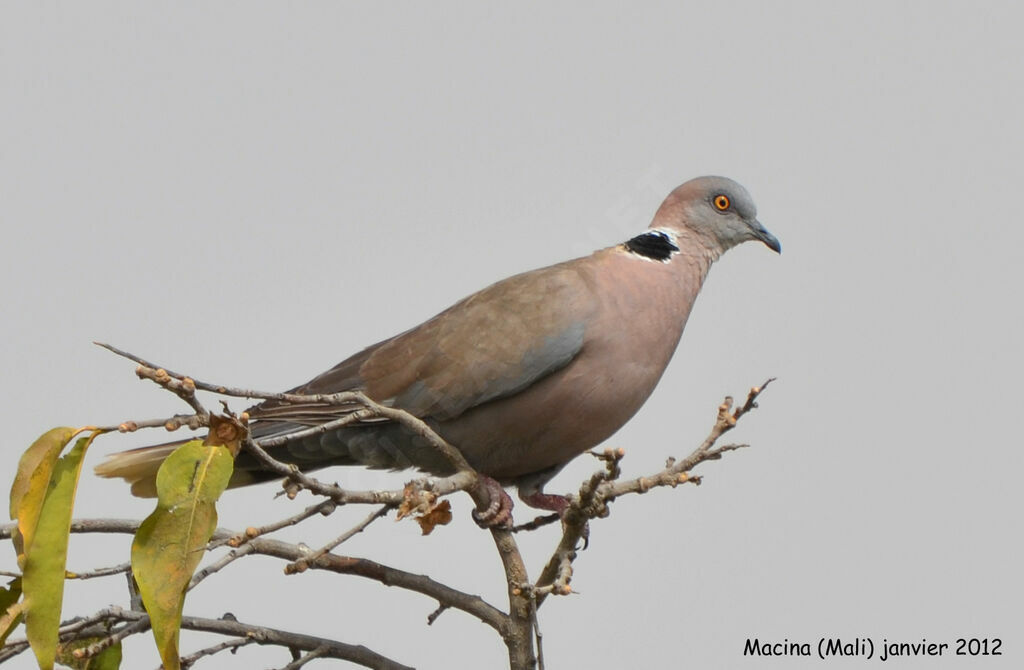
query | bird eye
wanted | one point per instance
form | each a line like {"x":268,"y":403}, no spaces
{"x":722,"y":202}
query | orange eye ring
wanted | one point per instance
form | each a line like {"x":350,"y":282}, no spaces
{"x":721,"y":202}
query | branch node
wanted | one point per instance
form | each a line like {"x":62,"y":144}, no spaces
{"x":432,"y":617}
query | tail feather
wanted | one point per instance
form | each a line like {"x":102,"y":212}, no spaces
{"x":375,"y":445}
{"x":139,"y":466}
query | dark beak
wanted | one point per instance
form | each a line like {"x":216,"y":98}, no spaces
{"x":761,"y":233}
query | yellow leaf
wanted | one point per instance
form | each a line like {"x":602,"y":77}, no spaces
{"x":170,"y":542}
{"x":10,"y":608}
{"x":46,"y":552}
{"x":31,"y":483}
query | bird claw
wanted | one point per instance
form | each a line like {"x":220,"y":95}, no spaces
{"x":585,"y":536}
{"x":498,"y":513}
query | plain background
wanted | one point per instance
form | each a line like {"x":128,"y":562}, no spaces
{"x":249,"y":192}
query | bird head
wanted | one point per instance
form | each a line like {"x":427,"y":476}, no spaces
{"x":717,"y":211}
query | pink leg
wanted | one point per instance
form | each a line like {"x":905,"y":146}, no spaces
{"x":553,"y":503}
{"x":545,"y":501}
{"x":499,"y":510}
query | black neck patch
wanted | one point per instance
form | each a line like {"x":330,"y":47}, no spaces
{"x":653,"y":244}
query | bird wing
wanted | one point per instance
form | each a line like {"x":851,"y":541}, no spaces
{"x":491,"y":345}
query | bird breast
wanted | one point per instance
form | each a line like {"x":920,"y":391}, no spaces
{"x":639,"y":310}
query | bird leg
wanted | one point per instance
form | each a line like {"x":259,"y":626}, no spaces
{"x":498,"y":512}
{"x":553,"y":503}
{"x":550,"y":502}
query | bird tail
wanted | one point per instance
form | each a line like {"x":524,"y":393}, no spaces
{"x":139,"y":466}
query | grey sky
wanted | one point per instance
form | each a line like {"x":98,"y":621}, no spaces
{"x":251,"y":192}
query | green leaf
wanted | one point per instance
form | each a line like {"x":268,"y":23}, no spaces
{"x":46,"y":552}
{"x":10,"y":614}
{"x":170,"y":542}
{"x":108,"y":659}
{"x":31,"y":483}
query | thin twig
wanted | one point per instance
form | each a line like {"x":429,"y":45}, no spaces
{"x":218,"y":565}
{"x":240,"y":541}
{"x":432,"y":617}
{"x":138,"y":621}
{"x":604,"y":486}
{"x":191,"y":421}
{"x":233,"y":645}
{"x":389,"y":576}
{"x":537,"y":522}
{"x":303,"y":660}
{"x":460,"y":481}
{"x":538,"y":636}
{"x":323,"y":508}
{"x":184,"y":388}
{"x":303,"y":563}
{"x":99,"y":572}
{"x":418,"y":426}
{"x":136,"y":626}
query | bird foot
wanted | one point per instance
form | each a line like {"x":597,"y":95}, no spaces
{"x":498,"y":513}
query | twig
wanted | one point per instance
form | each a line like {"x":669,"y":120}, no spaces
{"x":184,"y":388}
{"x":299,"y":662}
{"x":138,"y":621}
{"x":233,"y":645}
{"x":191,"y":421}
{"x":520,"y":649}
{"x":538,"y":636}
{"x":240,"y":541}
{"x":334,"y":411}
{"x":471,"y":604}
{"x":460,"y":481}
{"x":218,"y":565}
{"x":99,"y":572}
{"x":604,"y":486}
{"x":151,"y":370}
{"x":323,"y":508}
{"x":537,"y":522}
{"x":303,"y":563}
{"x":67,"y":630}
{"x":432,"y":617}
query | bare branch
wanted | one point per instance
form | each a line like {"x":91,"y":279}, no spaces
{"x":432,"y":617}
{"x":184,"y":388}
{"x":519,"y":628}
{"x":302,"y":564}
{"x":191,"y":421}
{"x":299,"y":662}
{"x":538,"y":522}
{"x":221,"y":563}
{"x":180,"y":383}
{"x":604,"y":486}
{"x":460,"y":481}
{"x":324,"y":508}
{"x":138,"y":621}
{"x":473,"y":605}
{"x":237,"y":643}
{"x":99,"y":572}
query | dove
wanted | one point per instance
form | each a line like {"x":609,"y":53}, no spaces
{"x":521,"y":376}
